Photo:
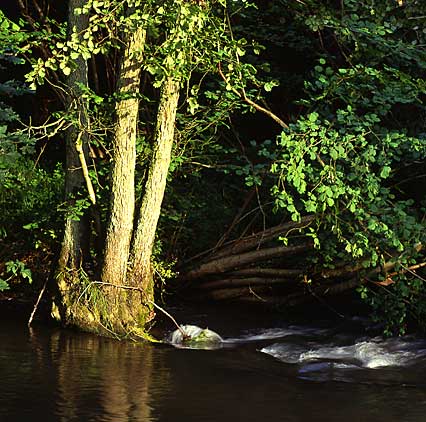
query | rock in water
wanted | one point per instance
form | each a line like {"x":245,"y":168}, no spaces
{"x":196,"y":337}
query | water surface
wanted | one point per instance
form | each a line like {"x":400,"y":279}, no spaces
{"x":265,"y":371}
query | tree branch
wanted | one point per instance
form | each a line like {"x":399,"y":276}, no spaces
{"x":252,"y":103}
{"x":82,"y":158}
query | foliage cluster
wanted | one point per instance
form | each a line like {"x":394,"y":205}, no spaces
{"x":350,"y":159}
{"x":27,"y":192}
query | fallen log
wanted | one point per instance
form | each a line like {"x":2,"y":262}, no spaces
{"x":224,"y":264}
{"x":236,"y":294}
{"x":243,"y":282}
{"x":253,"y":241}
{"x":320,"y":292}
{"x":268,"y":272}
{"x":340,"y":271}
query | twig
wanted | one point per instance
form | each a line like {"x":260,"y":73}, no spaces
{"x":412,"y":269}
{"x":256,"y":295}
{"x":324,"y":302}
{"x":38,"y":301}
{"x":236,"y":219}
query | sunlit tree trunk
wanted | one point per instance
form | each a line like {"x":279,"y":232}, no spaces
{"x":120,"y":224}
{"x":149,"y":213}
{"x":127,"y":314}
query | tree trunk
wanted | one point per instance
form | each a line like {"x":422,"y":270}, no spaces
{"x":73,"y":244}
{"x":124,"y":310}
{"x":120,"y":224}
{"x":155,"y":186}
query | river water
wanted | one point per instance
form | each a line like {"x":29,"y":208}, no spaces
{"x":265,"y":370}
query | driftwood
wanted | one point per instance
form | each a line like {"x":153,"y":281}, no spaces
{"x":265,"y":297}
{"x":309,"y":293}
{"x":257,"y":269}
{"x":256,"y":240}
{"x":246,"y":243}
{"x":239,"y":282}
{"x":249,"y":266}
{"x":339,"y":271}
{"x":237,"y":294}
{"x":221,"y":265}
{"x":268,"y":272}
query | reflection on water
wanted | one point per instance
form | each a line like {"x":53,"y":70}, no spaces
{"x":59,"y":375}
{"x":92,"y":368}
{"x":62,"y":375}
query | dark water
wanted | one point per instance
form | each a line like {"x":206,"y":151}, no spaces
{"x":263,"y":372}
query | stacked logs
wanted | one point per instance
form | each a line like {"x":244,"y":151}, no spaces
{"x":258,"y":269}
{"x":252,"y":268}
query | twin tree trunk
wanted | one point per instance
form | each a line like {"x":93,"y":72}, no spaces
{"x":125,"y":308}
{"x":122,"y":302}
{"x":125,"y":263}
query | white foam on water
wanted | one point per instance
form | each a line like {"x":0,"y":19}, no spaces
{"x":275,"y":333}
{"x":264,"y":334}
{"x":368,"y":354}
{"x":373,"y":353}
{"x":288,"y":353}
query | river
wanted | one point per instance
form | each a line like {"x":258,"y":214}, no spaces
{"x":265,"y":370}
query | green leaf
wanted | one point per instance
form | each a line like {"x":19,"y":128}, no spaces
{"x":384,"y":174}
{"x":26,"y":273}
{"x":313,"y":117}
{"x":3,"y":285}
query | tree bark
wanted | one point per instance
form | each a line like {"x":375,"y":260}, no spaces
{"x":120,"y":224}
{"x":141,"y":271}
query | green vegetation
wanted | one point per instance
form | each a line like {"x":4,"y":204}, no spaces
{"x":255,"y":152}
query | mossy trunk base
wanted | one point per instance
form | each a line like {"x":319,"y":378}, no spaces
{"x":102,"y":309}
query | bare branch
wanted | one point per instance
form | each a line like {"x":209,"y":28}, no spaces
{"x":252,"y":103}
{"x":82,"y":158}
